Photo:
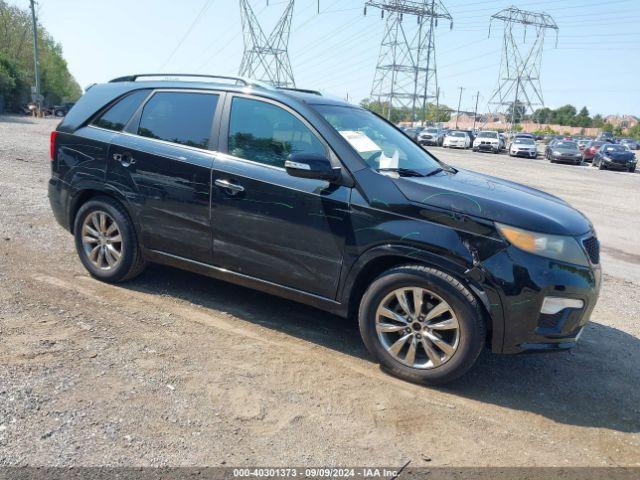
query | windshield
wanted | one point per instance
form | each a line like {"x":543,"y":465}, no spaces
{"x":457,"y":134}
{"x":432,"y":130}
{"x":614,"y":148}
{"x":379,"y":144}
{"x":524,"y":141}
{"x":488,"y":135}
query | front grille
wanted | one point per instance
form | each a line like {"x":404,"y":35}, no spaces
{"x":592,"y":246}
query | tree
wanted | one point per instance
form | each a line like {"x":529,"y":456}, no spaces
{"x":516,"y":110}
{"x":398,"y":114}
{"x":16,"y":61}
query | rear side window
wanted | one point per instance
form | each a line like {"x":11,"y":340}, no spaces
{"x":265,"y":133}
{"x":117,"y":116}
{"x":184,"y":118}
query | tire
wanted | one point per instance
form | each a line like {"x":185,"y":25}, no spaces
{"x":632,"y":169}
{"x":462,"y":307}
{"x":601,"y":165}
{"x":129,"y":263}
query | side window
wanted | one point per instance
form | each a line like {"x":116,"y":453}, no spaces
{"x":116,"y":117}
{"x":268,"y":134}
{"x":178,"y":117}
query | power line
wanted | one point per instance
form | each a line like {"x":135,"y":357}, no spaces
{"x":202,"y":11}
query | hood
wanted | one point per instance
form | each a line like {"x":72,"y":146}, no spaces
{"x":497,"y":200}
{"x":619,"y":155}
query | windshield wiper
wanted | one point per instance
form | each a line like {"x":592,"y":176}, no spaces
{"x":433,"y":172}
{"x":404,"y":172}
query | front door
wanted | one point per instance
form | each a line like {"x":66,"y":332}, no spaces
{"x":163,"y":164}
{"x":267,"y":224}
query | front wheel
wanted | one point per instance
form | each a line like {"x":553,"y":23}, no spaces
{"x":421,"y":324}
{"x":106,"y":241}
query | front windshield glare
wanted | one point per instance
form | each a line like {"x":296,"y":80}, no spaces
{"x":488,"y":135}
{"x":379,"y":144}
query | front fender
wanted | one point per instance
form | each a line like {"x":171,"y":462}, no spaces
{"x":471,"y":274}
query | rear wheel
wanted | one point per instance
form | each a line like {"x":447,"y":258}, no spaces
{"x":632,"y":169}
{"x":421,"y":324}
{"x":106,"y":241}
{"x":601,"y":165}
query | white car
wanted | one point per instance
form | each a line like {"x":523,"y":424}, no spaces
{"x":488,"y":141}
{"x":523,"y":147}
{"x":457,"y":139}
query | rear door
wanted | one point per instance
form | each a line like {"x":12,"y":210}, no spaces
{"x":162,"y":163}
{"x":266,"y":223}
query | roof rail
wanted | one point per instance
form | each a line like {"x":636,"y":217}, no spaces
{"x":245,"y":81}
{"x":301,"y":90}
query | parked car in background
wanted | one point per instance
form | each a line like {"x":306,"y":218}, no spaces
{"x":606,"y":137}
{"x":631,"y":143}
{"x":431,"y":136}
{"x":523,"y":147}
{"x":582,"y":143}
{"x":457,"y":139}
{"x":413,"y":133}
{"x":591,"y":150}
{"x":564,"y":151}
{"x":514,"y":136}
{"x":62,"y":110}
{"x":503,"y":141}
{"x":472,"y":135}
{"x":615,"y":157}
{"x":488,"y":141}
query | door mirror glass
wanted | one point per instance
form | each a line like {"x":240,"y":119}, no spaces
{"x":308,"y":165}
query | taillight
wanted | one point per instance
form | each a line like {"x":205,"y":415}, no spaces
{"x":52,"y":144}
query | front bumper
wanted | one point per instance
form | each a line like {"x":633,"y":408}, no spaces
{"x":617,"y":166}
{"x":524,"y":153}
{"x":428,"y":141}
{"x":524,"y":281}
{"x":487,"y":147}
{"x":566,"y":159}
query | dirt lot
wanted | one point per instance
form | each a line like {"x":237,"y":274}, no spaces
{"x":177,"y":369}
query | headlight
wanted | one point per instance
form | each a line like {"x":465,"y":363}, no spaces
{"x":557,"y":153}
{"x":557,"y":247}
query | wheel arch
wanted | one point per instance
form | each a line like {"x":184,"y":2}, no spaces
{"x":87,"y":192}
{"x":377,"y":260}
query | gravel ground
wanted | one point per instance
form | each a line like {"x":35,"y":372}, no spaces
{"x":177,"y":369}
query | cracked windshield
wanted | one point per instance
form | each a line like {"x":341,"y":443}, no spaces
{"x":377,"y":142}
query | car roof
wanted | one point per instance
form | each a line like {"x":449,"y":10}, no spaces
{"x":98,"y":96}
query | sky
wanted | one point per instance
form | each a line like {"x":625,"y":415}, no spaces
{"x":596,"y":63}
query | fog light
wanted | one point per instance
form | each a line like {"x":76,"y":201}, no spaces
{"x":553,"y":305}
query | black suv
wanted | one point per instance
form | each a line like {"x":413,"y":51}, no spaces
{"x":324,"y":203}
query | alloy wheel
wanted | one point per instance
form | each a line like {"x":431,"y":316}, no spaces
{"x":417,"y":327}
{"x":102,"y":240}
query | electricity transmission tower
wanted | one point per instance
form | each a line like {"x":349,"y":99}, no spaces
{"x":519,"y":84}
{"x":406,"y":74}
{"x":266,"y":58}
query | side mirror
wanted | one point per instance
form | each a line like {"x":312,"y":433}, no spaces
{"x":307,"y":165}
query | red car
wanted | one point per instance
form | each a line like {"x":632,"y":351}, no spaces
{"x":590,"y":150}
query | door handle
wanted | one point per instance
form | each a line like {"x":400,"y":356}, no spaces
{"x":124,"y":158}
{"x":232,"y":188}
